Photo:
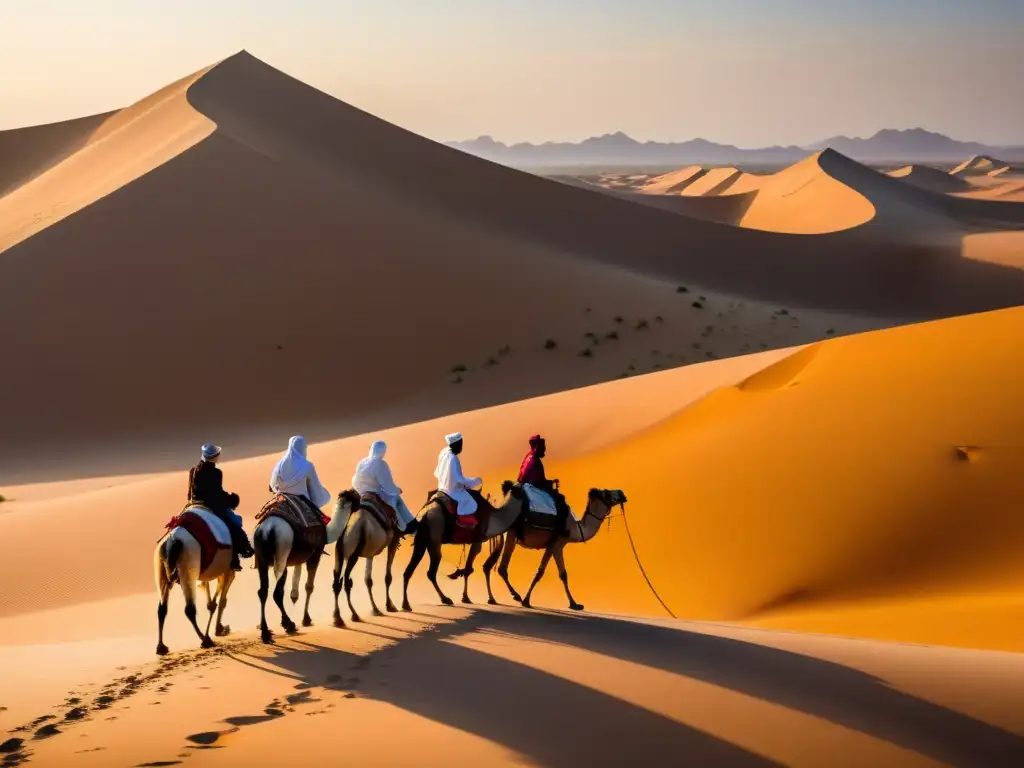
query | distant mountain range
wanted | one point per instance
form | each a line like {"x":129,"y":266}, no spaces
{"x":618,"y":149}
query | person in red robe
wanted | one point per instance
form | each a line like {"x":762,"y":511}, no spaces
{"x":531,"y":471}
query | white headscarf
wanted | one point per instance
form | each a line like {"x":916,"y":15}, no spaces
{"x":293,"y":466}
{"x":373,"y":473}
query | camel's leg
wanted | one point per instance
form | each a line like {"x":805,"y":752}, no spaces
{"x":296,"y":576}
{"x":506,"y":558}
{"x":263,"y":566}
{"x":434,"y":550}
{"x":311,"y":567}
{"x":187,"y":578}
{"x":211,"y":604}
{"x":474,"y":550}
{"x":225,"y":584}
{"x":392,"y":549}
{"x":348,"y":582}
{"x":540,"y":573}
{"x":368,"y":580}
{"x":164,"y":584}
{"x":286,"y":623}
{"x":489,"y":563}
{"x":559,"y":555}
{"x":419,"y":547}
{"x":339,"y":562}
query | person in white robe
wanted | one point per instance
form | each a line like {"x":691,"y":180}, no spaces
{"x":295,"y":474}
{"x":450,"y":478}
{"x":373,"y":475}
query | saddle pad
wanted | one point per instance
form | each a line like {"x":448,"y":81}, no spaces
{"x":199,"y":528}
{"x":293,"y":509}
{"x":540,"y":502}
{"x":306,"y":523}
{"x":218,"y":527}
{"x":384,"y":512}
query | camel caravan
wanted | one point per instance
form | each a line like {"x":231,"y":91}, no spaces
{"x":205,"y":543}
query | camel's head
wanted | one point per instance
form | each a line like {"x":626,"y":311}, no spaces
{"x":508,"y":487}
{"x":348,"y":498}
{"x":606,"y":499}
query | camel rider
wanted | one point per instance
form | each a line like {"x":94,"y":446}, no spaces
{"x":373,"y":475}
{"x":294,"y":474}
{"x":450,"y":479}
{"x":206,"y":488}
{"x":531,"y":472}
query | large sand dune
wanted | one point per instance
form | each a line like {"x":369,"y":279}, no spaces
{"x":238,"y":227}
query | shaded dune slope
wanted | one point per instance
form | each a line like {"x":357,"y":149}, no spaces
{"x":931,"y":179}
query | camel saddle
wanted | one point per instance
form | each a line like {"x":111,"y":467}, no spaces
{"x":307,"y":522}
{"x":458,"y":529}
{"x":380,"y":509}
{"x":199,"y":530}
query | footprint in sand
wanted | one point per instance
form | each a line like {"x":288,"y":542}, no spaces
{"x":10,"y":746}
{"x":159,"y":762}
{"x":104,"y":702}
{"x":46,"y":732}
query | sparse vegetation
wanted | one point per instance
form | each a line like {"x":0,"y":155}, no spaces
{"x":631,"y":367}
{"x":587,"y":310}
{"x":659,"y":319}
{"x":457,"y":380}
{"x":697,"y":305}
{"x":696,"y":345}
{"x":682,"y":289}
{"x":783,"y":311}
{"x":588,"y":352}
{"x":656,"y":366}
{"x":491,"y":362}
{"x":642,"y":325}
{"x":612,"y":336}
{"x":618,"y":319}
{"x":710,"y":355}
{"x":830,"y":332}
{"x":550,"y":344}
{"x":459,"y":368}
{"x":505,"y":351}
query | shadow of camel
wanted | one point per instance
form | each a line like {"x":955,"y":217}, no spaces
{"x":496,"y":699}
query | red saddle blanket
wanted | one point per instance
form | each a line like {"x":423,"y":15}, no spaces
{"x":308,"y":524}
{"x":200,"y":531}
{"x":384,"y":512}
{"x":458,"y":529}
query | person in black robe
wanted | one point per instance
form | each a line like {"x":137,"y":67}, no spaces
{"x":206,"y":488}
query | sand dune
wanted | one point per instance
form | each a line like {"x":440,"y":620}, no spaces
{"x":198,"y":204}
{"x":931,"y":179}
{"x":980,"y":165}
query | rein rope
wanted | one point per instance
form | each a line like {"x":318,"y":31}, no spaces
{"x":636,"y":555}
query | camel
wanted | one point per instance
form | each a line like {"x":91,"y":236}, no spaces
{"x":178,"y":558}
{"x":364,"y":537}
{"x":599,"y":505}
{"x":273,"y":541}
{"x":493,"y":521}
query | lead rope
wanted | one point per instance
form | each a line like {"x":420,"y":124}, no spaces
{"x":640,"y":565}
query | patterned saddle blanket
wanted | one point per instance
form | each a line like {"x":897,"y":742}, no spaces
{"x":309,"y":524}
{"x":380,"y":509}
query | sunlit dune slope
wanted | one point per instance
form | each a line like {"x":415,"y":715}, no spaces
{"x":888,"y":464}
{"x":980,"y":165}
{"x":27,"y":152}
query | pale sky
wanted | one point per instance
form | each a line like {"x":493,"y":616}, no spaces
{"x":746,"y":72}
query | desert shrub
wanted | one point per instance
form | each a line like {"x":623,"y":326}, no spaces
{"x":550,"y":344}
{"x":459,"y":368}
{"x":612,"y":336}
{"x":682,"y":289}
{"x":697,"y":305}
{"x":588,"y":352}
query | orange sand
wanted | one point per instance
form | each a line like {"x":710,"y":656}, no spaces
{"x":867,"y":485}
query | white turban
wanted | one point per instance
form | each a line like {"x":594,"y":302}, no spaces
{"x":453,"y":438}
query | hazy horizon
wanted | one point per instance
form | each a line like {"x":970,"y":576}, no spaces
{"x":731,"y":71}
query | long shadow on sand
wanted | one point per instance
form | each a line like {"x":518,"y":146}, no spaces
{"x":548,"y":719}
{"x":500,"y":700}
